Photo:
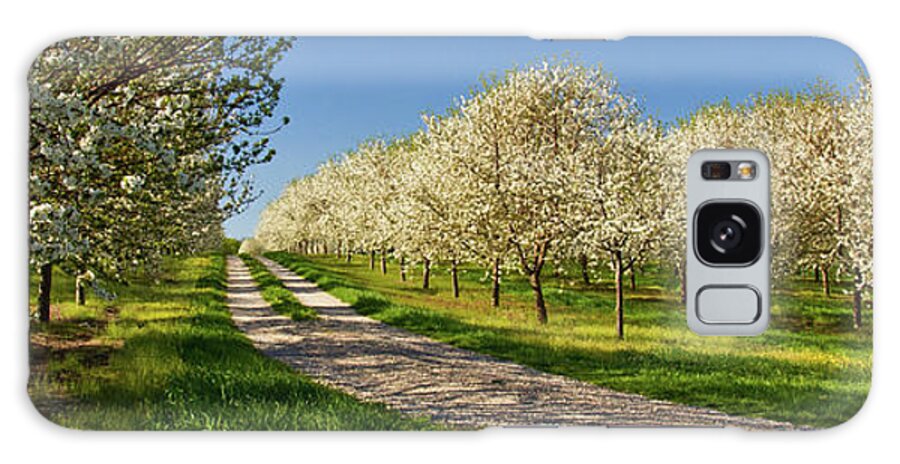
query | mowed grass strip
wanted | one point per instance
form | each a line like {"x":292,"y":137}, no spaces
{"x":809,"y":368}
{"x":274,"y":292}
{"x":165,"y":356}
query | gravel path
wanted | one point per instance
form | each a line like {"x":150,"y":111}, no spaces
{"x":417,"y":375}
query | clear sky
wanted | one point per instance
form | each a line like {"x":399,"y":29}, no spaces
{"x":340,"y":91}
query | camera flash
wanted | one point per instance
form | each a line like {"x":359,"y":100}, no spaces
{"x":746,"y":170}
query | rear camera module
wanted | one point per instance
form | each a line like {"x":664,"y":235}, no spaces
{"x":728,"y":233}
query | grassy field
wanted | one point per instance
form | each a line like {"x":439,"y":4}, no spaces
{"x":273,"y":291}
{"x":810,"y":367}
{"x":165,"y":355}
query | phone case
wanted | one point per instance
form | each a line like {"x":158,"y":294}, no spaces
{"x":435,"y":233}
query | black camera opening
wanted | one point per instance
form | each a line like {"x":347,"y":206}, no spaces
{"x":728,"y":233}
{"x":716,"y":170}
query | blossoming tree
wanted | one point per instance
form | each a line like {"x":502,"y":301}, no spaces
{"x":139,"y":146}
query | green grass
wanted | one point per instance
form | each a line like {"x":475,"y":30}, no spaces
{"x":273,"y":291}
{"x":810,"y":367}
{"x":165,"y":356}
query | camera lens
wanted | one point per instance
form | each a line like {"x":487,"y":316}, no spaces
{"x":728,"y":233}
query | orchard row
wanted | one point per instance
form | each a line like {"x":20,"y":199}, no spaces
{"x":553,"y":163}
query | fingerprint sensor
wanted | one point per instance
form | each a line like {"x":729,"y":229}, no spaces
{"x":728,"y":304}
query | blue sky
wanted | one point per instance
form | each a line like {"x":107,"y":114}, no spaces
{"x":340,"y":91}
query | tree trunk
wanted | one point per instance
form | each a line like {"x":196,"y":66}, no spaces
{"x":857,"y":302}
{"x":535,"y":280}
{"x":495,"y":283}
{"x":44,"y":292}
{"x":454,"y":278}
{"x":324,"y":248}
{"x":818,"y":275}
{"x":826,"y":282}
{"x":403,"y":268}
{"x":620,"y":307}
{"x":79,"y":291}
{"x":426,"y":273}
{"x":349,"y":256}
{"x":682,"y":283}
{"x":372,"y":260}
{"x":583,"y":262}
{"x":383,"y":262}
{"x":633,"y":283}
